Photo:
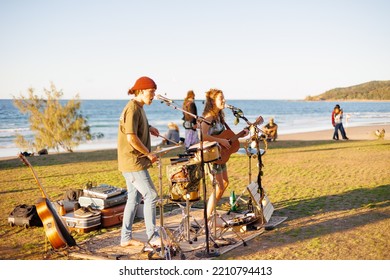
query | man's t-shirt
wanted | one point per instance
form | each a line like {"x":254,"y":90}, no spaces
{"x":133,"y":121}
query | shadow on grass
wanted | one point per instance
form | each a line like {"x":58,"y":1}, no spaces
{"x":57,"y":176}
{"x":286,"y":144}
{"x":365,"y":198}
{"x":75,"y":157}
{"x":62,"y":158}
{"x":17,"y":191}
{"x":354,"y":199}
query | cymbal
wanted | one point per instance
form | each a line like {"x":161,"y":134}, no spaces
{"x":250,"y":151}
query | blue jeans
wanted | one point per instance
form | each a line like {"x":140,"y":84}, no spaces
{"x":339,"y":126}
{"x":139,"y":185}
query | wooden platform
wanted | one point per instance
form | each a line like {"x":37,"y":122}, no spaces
{"x":176,"y":243}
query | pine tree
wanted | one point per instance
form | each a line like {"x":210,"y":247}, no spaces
{"x":54,"y":125}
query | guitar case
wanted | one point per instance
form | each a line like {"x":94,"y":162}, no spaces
{"x":24,"y":215}
{"x":82,"y":224}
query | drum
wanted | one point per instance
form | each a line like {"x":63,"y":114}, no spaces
{"x":184,"y":179}
{"x":211,"y":151}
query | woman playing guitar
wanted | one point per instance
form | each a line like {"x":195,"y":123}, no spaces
{"x":213,"y":112}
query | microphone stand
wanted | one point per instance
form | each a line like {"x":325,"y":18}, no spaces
{"x":199,"y":120}
{"x":260,"y":190}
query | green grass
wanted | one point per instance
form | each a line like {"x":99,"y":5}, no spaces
{"x":336,"y":197}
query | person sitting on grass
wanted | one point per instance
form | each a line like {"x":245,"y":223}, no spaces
{"x":173,"y":135}
{"x":271,"y":130}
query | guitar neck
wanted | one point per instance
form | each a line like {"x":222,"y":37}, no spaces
{"x":39,"y":183}
{"x":25,"y":161}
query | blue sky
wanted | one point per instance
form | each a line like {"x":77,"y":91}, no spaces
{"x":249,"y":49}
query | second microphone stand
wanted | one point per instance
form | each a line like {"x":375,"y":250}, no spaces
{"x":256,"y":138}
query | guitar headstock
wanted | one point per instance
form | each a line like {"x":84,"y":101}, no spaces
{"x":258,"y":121}
{"x":23,"y":159}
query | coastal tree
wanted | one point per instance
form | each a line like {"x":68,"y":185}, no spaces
{"x":54,"y":124}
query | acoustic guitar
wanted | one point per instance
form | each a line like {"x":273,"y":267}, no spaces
{"x":233,"y":140}
{"x":55,"y":229}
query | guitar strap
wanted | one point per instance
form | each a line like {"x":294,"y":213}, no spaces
{"x":226,"y":125}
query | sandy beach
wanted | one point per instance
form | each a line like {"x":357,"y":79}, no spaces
{"x":353,"y":133}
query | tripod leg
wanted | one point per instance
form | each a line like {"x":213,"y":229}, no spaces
{"x":183,"y":230}
{"x":187,"y":228}
{"x":154,"y":250}
{"x":174,"y":244}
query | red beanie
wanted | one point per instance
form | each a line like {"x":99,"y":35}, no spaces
{"x":143,"y":83}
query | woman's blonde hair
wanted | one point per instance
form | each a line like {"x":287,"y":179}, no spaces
{"x":211,"y":96}
{"x":174,"y":126}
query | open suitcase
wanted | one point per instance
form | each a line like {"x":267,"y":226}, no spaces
{"x":112,"y":216}
{"x":102,"y":203}
{"x":82,"y":224}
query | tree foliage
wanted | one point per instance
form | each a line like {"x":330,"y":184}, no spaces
{"x":53,"y":124}
{"x":374,"y":90}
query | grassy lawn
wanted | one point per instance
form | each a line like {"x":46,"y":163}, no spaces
{"x":336,"y":196}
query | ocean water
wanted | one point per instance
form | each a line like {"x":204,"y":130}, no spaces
{"x":291,"y":116}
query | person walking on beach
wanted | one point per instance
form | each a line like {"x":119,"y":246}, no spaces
{"x":213,"y":112}
{"x":337,"y":122}
{"x":134,"y":159}
{"x":190,"y":125}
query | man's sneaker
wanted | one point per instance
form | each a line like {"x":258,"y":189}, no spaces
{"x":131,"y":243}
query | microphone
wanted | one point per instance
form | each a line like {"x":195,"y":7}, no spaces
{"x":164,"y":99}
{"x":232,"y":107}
